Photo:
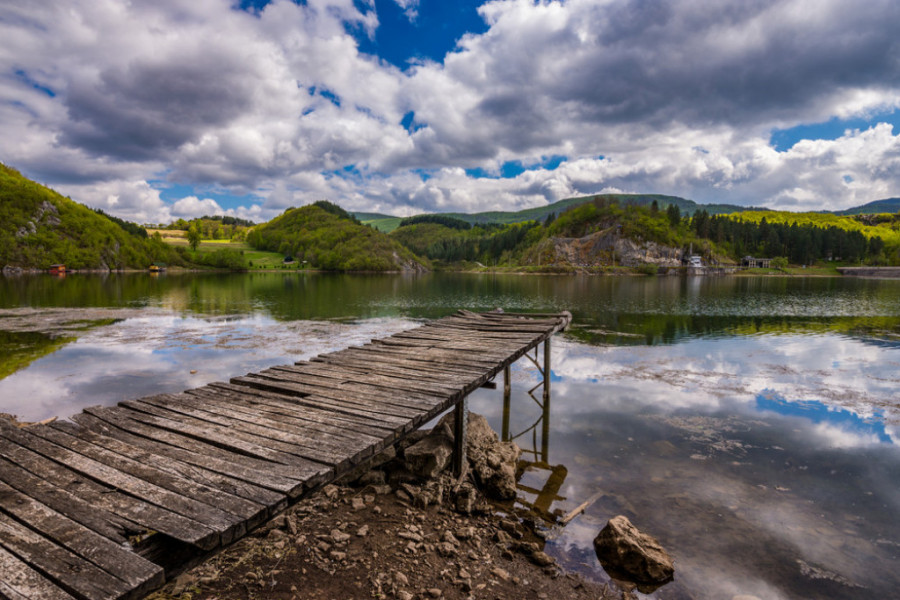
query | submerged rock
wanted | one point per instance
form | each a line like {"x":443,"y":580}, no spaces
{"x":621,"y":547}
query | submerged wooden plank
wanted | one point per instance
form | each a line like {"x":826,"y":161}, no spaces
{"x":21,"y":582}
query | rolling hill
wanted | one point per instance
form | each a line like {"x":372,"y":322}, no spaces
{"x":39,"y":227}
{"x":387,"y":223}
{"x":331,"y":239}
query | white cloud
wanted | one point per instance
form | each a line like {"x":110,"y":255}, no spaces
{"x":98,"y":98}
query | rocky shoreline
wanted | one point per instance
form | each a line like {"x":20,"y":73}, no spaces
{"x":402,"y":528}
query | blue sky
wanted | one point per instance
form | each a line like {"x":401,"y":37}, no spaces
{"x":155,"y":111}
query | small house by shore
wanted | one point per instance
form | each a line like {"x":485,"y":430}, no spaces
{"x":756,"y":263}
{"x":57,"y":269}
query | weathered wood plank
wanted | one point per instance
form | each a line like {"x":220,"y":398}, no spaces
{"x":295,"y":418}
{"x":105,"y":523}
{"x":223,"y":428}
{"x":210,"y":500}
{"x":197,"y":511}
{"x":21,"y":582}
{"x":252,"y":500}
{"x":212,"y":434}
{"x":288,"y":402}
{"x":351,"y":399}
{"x":326,"y":451}
{"x":138,"y":574}
{"x":272,"y":475}
{"x":67,"y":570}
{"x":234,"y":474}
{"x":385,"y":392}
{"x":146,"y":516}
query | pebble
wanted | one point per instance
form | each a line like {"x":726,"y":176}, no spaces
{"x":338,"y":556}
{"x":435,"y":592}
{"x":400,"y":578}
{"x":363,"y":531}
{"x":500,"y":573}
{"x":357,"y":503}
{"x":339,"y":537}
{"x":542,"y":559}
{"x":404,"y":595}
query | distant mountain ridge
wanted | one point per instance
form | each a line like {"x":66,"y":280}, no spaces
{"x":888,"y":205}
{"x":388,"y":223}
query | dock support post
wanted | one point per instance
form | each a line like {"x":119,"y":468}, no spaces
{"x":547,"y":370}
{"x":460,"y":427}
{"x":507,"y":389}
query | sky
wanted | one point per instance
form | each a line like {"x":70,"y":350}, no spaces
{"x":165,"y":109}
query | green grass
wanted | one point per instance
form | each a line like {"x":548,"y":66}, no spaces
{"x":384,"y":225}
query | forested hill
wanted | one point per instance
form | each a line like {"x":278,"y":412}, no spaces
{"x":39,"y":227}
{"x":329,"y":238}
{"x":687,"y":207}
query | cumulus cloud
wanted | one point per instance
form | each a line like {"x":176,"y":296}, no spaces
{"x":100,"y":97}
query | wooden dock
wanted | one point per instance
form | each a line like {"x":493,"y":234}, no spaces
{"x":83,"y":504}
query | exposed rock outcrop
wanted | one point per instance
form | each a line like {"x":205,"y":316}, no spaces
{"x":608,"y":246}
{"x":622,"y":548}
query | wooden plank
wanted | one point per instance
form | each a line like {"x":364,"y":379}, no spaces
{"x":287,"y":402}
{"x":225,"y":429}
{"x":330,"y":452}
{"x":295,"y":417}
{"x":214,"y":435}
{"x":67,"y":570}
{"x":385,"y":392}
{"x":228,"y":525}
{"x":375,"y":356}
{"x":21,"y":582}
{"x":413,"y":389}
{"x":384,"y":397}
{"x":350,"y":400}
{"x":405,"y":369}
{"x":250,"y":496}
{"x":139,"y":575}
{"x":272,"y":475}
{"x":275,"y":499}
{"x":218,"y":504}
{"x":105,"y":523}
{"x":462,"y":385}
{"x":147,"y":516}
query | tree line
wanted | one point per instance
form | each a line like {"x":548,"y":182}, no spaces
{"x":800,"y":244}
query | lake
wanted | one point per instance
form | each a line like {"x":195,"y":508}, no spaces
{"x":750,"y":424}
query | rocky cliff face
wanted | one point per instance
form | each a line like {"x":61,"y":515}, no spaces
{"x":608,"y":246}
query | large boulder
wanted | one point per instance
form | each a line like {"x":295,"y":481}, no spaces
{"x":430,"y":455}
{"x":493,"y":462}
{"x":621,"y":547}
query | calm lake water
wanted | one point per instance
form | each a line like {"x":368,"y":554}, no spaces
{"x":750,"y":424}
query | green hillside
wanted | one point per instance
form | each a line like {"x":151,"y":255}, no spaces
{"x":888,"y":232}
{"x":888,"y":205}
{"x":388,"y":223}
{"x":39,"y":227}
{"x":331,"y":239}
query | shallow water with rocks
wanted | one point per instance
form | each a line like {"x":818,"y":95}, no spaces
{"x":749,"y":424}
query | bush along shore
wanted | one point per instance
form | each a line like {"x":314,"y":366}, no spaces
{"x":401,"y":527}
